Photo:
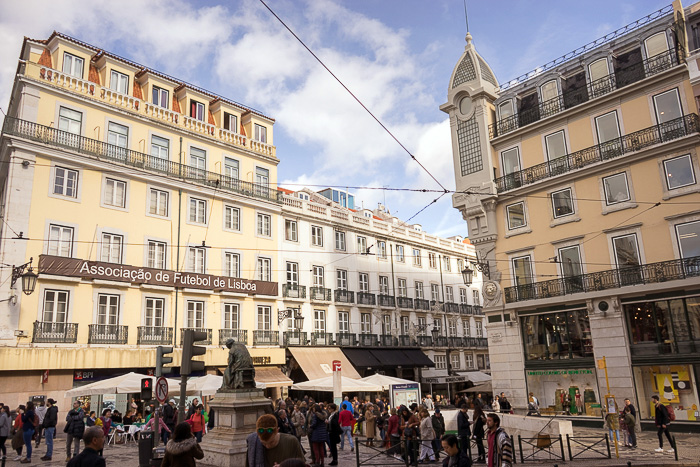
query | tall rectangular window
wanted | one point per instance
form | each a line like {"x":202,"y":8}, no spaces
{"x":505,"y":109}
{"x":160,"y":147}
{"x":55,"y":306}
{"x":361,"y":244}
{"x":264,"y":318}
{"x":155,"y":312}
{"x":231,"y":168}
{"x":107,"y":309}
{"x":549,"y":90}
{"x":292,"y":274}
{"x":197,"y":110}
{"x":73,"y":65}
{"x":117,"y":135}
{"x":402,"y":289}
{"x":198,"y":211}
{"x":316,"y":235}
{"x":616,"y":189}
{"x":197,"y":260}
{"x":522,"y":270}
{"x":70,"y":120}
{"x":399,"y":254}
{"x":231,"y":122}
{"x":232,"y":316}
{"x":446,"y":264}
{"x":469,"y":360}
{"x":343,"y":321}
{"x":364,"y":282}
{"x":455,"y":361}
{"x":232,"y":218}
{"x":556,"y":145}
{"x":570,"y":260}
{"x":607,"y":127}
{"x":510,"y":160}
{"x":419,"y":289}
{"x":60,"y":241}
{"x":381,"y":249}
{"x":365,"y":323}
{"x":232,"y":264}
{"x":160,"y":97}
{"x":339,"y":240}
{"x":265,"y":269}
{"x":476,"y":297}
{"x":440,"y":362}
{"x":156,"y":254}
{"x":262,"y":177}
{"x":667,"y":106}
{"x":656,"y":44}
{"x":679,"y":172}
{"x":626,"y":251}
{"x":195,"y":314}
{"x":264,"y":225}
{"x":291,"y":232}
{"x":386,"y":325}
{"x":434,"y":293}
{"x":449,"y":294}
{"x":689,"y":239}
{"x":260,"y":133}
{"x":198,"y":158}
{"x":319,"y":320}
{"x":562,"y":203}
{"x":384,"y":285}
{"x":516,"y":216}
{"x":416,"y":257}
{"x":112,"y":248}
{"x":463,"y":296}
{"x":319,"y":280}
{"x":115,"y":193}
{"x":405,"y":323}
{"x":432,"y":261}
{"x":479,"y":329}
{"x":341,"y":276}
{"x":467,"y":329}
{"x":119,"y":82}
{"x":159,"y":202}
{"x":65,"y":182}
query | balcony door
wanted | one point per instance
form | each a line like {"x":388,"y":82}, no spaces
{"x":293,"y":275}
{"x":608,"y":131}
{"x":154,"y":312}
{"x":571,"y":271}
{"x":108,"y":309}
{"x":195,"y":315}
{"x":522,"y":274}
{"x":510,"y":160}
{"x":320,"y":321}
{"x":627,"y":259}
{"x":55,"y":306}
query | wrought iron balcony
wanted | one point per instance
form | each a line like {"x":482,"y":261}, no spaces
{"x":154,"y":335}
{"x":321,"y":338}
{"x":603,"y":280}
{"x":424,"y":341}
{"x":293,"y":291}
{"x":386,"y":300}
{"x":294,"y":338}
{"x":466,"y":309}
{"x":345,"y":339}
{"x":344,"y":296}
{"x":421,"y":304}
{"x":574,"y":97}
{"x":478,"y":310}
{"x":364,"y":298}
{"x":91,"y":147}
{"x":455,"y":342}
{"x":369,"y":340}
{"x":451,"y":307}
{"x":440,"y":341}
{"x":206,"y":341}
{"x":673,"y":129}
{"x":320,"y":294}
{"x":108,"y":334}
{"x":240,"y":336}
{"x":405,"y":302}
{"x":387,"y":340}
{"x":406,"y":341}
{"x":478,"y":342}
{"x":46,"y":332}
{"x":264,"y":337}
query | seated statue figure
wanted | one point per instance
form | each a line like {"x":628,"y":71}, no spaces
{"x":240,"y":373}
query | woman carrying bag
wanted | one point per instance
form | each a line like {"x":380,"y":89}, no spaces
{"x":183,"y":448}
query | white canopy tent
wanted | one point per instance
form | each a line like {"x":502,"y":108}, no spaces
{"x":348,"y":385}
{"x":385,"y":381}
{"x":124,"y":384}
{"x":209,"y":384}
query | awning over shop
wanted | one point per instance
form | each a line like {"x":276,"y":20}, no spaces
{"x":388,"y":358}
{"x":272,"y":377}
{"x":317,"y":362}
{"x":483,"y":387}
{"x":475,"y":377}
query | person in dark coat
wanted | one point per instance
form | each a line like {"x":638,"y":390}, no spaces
{"x":49,"y":425}
{"x":319,"y":434}
{"x":479,"y":420}
{"x":75,"y":427}
{"x":94,"y":439}
{"x":463,"y":430}
{"x":455,"y":457}
{"x":182,"y":449}
{"x":334,"y":432}
{"x":662,"y":420}
{"x":29,"y":426}
{"x":439,"y":429}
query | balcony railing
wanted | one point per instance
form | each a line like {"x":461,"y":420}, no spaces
{"x":108,"y":334}
{"x":466,"y":309}
{"x":92,"y":147}
{"x":154,"y":335}
{"x":673,"y":129}
{"x":263,"y":337}
{"x":293,"y":291}
{"x":369,"y":340}
{"x":46,"y":332}
{"x":440,"y":341}
{"x":206,"y":341}
{"x":321,"y":338}
{"x":387,"y":340}
{"x":406,"y":341}
{"x":344,"y":296}
{"x":421,"y":304}
{"x":478,"y":310}
{"x":294,"y":338}
{"x":405,"y":302}
{"x":572,"y":98}
{"x":345,"y":339}
{"x":478,"y":342}
{"x":424,"y":341}
{"x":320,"y":294}
{"x":364,"y":298}
{"x":610,"y":279}
{"x":240,"y":336}
{"x":451,"y":307}
{"x":386,"y":300}
{"x":455,"y":342}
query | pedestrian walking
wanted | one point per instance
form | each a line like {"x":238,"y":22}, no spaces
{"x":630,"y":421}
{"x":334,"y":432}
{"x":479,"y":421}
{"x":394,"y":435}
{"x":198,"y":423}
{"x":168,"y":412}
{"x":318,"y":434}
{"x":427,"y":434}
{"x":464,"y":431}
{"x":346,"y":423}
{"x":75,"y":427}
{"x":18,"y":433}
{"x":456,"y":457}
{"x":5,"y":428}
{"x":183,"y":448}
{"x":267,"y":446}
{"x":49,"y":426}
{"x":41,"y":413}
{"x":500,"y":447}
{"x":662,"y":420}
{"x":30,"y":420}
{"x":438,"y":422}
{"x":94,"y":439}
{"x":370,"y":425}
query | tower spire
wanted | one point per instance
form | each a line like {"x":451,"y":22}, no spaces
{"x":468,"y":37}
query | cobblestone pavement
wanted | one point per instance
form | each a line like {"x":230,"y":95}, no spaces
{"x":688,"y":454}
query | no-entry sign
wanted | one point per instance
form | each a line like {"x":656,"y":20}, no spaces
{"x":161,"y":390}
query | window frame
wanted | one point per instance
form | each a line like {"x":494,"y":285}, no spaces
{"x":232,"y":223}
{"x":196,"y":257}
{"x":260,"y":133}
{"x":316,"y":235}
{"x":264,"y":269}
{"x":263,"y":318}
{"x":400,"y":257}
{"x":291,"y":230}
{"x":597,"y":126}
{"x":363,"y":282}
{"x":605,"y":189}
{"x":233,"y":310}
{"x":55,"y":302}
{"x":656,"y":106}
{"x":383,"y":285}
{"x":193,"y":308}
{"x":381,"y":249}
{"x":112,"y":236}
{"x":74,"y":59}
{"x":153,"y":319}
{"x":111,"y":133}
{"x":160,"y":147}
{"x":666,"y":173}
{"x":571,"y":200}
{"x":343,"y":321}
{"x":678,"y":236}
{"x":508,"y":218}
{"x":195,"y":107}
{"x":646,"y":46}
{"x":112,"y":203}
{"x":156,"y":90}
{"x":547,"y":148}
{"x":199,"y":205}
{"x":60,"y":241}
{"x":66,"y":118}
{"x":417,"y":260}
{"x":159,"y":194}
{"x":362,"y":244}
{"x":340,"y":244}
{"x":418,"y":290}
{"x":121,"y":78}
{"x":341,"y":279}
{"x":227,"y":271}
{"x":109,"y":307}
{"x":156,"y":244}
{"x":263,"y":224}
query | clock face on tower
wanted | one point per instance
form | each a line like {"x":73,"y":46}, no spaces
{"x":466,"y":105}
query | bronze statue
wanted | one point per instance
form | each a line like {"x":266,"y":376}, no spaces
{"x":240,"y":373}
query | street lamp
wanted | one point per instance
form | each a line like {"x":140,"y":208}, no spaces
{"x":467,"y":275}
{"x":481,"y":266}
{"x":28,"y":278}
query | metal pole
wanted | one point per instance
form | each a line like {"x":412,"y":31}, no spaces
{"x":561,"y":446}
{"x":568,"y":445}
{"x":157,"y":424}
{"x":183,"y":396}
{"x":520,"y":444}
{"x":607,"y":443}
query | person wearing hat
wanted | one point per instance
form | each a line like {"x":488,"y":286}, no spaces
{"x":49,"y":426}
{"x":439,"y":429}
{"x":268,"y":447}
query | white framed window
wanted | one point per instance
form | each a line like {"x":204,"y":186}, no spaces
{"x":616,"y":189}
{"x":154,"y":312}
{"x":463,"y":296}
{"x":455,"y":361}
{"x":598,"y":70}
{"x":197,"y":110}
{"x":112,"y":248}
{"x":419,"y":289}
{"x":196,"y":259}
{"x":688,"y":235}
{"x":361,"y":244}
{"x":466,"y":328}
{"x":364,"y":282}
{"x":160,"y":147}
{"x":107,"y":309}
{"x":435,"y":293}
{"x":432,"y":261}
{"x":555,"y":145}
{"x":399,"y":254}
{"x":341,"y":279}
{"x":291,"y":230}
{"x":343,"y":321}
{"x":449,"y":294}
{"x":479,"y":329}
{"x":158,"y":205}
{"x":570,"y":261}
{"x":402,"y":289}
{"x":607,"y":127}
{"x":667,"y":106}
{"x":417,"y":261}
{"x":232,"y":218}
{"x":198,"y":211}
{"x":232,"y":316}
{"x":318,"y":275}
{"x":365,"y":323}
{"x":264,"y":225}
{"x":260,"y":133}
{"x":476,"y":297}
{"x":440,"y":362}
{"x":384,"y":285}
{"x":70,"y":120}
{"x":292,"y":273}
{"x":119,"y":82}
{"x":437,"y":325}
{"x":381,"y":249}
{"x":231,"y":122}
{"x":60,"y":241}
{"x":262,"y":177}
{"x":316,"y":235}
{"x":405,"y":322}
{"x":319,"y":320}
{"x":469,"y":360}
{"x":626,"y":251}
{"x":198,"y":158}
{"x":510,"y":160}
{"x":231,"y":168}
{"x":422,"y":327}
{"x":562,"y":203}
{"x":339,"y":240}
{"x":460,"y":265}
{"x":55,"y":306}
{"x":516,"y":216}
{"x":159,"y":96}
{"x":156,"y":254}
{"x":73,"y":65}
{"x":265,"y":269}
{"x":679,"y":172}
{"x":195,"y":314}
{"x":117,"y":135}
{"x":446,"y":264}
{"x":656,"y":44}
{"x":505,"y":109}
{"x":303,"y":196}
{"x":232,"y":264}
{"x":522,"y":270}
{"x":115,"y":193}
{"x":264,"y":318}
{"x":549,"y":90}
{"x":386,"y":325}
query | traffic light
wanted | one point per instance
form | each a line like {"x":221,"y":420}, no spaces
{"x":146,"y":389}
{"x":190,"y":350}
{"x":162,"y":360}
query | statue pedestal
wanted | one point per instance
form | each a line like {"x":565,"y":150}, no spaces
{"x":236,"y":411}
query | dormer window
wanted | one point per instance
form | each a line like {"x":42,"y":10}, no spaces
{"x":260,"y":133}
{"x":368,"y":215}
{"x":73,"y":65}
{"x":197,"y":110}
{"x":505,"y":109}
{"x":656,"y":44}
{"x":549,"y":90}
{"x":598,"y":69}
{"x":230,"y":122}
{"x":119,"y":82}
{"x":160,"y":97}
{"x":303,"y":196}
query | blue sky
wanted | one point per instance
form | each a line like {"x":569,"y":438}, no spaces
{"x":395,"y":55}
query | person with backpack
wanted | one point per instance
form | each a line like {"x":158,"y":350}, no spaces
{"x":662,"y":420}
{"x":49,"y":426}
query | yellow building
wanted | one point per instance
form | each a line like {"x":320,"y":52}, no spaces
{"x":579,"y":184}
{"x":145,"y":206}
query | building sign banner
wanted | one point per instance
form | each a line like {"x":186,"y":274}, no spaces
{"x":74,"y":267}
{"x":559,"y":372}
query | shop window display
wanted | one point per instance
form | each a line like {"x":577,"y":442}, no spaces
{"x":664,"y":326}
{"x":674,"y":384}
{"x":569,"y":392}
{"x":552,"y":336}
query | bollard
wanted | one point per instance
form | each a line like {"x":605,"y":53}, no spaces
{"x":357,"y":450}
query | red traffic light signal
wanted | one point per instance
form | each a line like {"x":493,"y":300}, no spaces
{"x":146,"y":389}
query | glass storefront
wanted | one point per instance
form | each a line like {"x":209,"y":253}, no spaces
{"x":560,"y":335}
{"x":569,"y":391}
{"x":664,"y":326}
{"x":674,"y":384}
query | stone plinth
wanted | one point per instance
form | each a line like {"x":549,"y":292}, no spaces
{"x":236,"y":412}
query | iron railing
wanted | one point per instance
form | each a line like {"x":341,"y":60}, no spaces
{"x":386,"y":300}
{"x":321,"y":338}
{"x":421,"y":304}
{"x":206,"y":341}
{"x":154,"y":335}
{"x":369,"y":340}
{"x":572,"y":98}
{"x":424,"y":341}
{"x":455,"y":342}
{"x":673,"y":129}
{"x":440,"y":341}
{"x":387,"y":340}
{"x":92,"y":147}
{"x":405,"y":302}
{"x":293,"y":291}
{"x":265,"y":337}
{"x":345,"y":339}
{"x":588,"y":447}
{"x":108,"y":334}
{"x":344,"y":296}
{"x":479,"y":342}
{"x":466,"y":309}
{"x":406,"y":341}
{"x":541,"y":443}
{"x":478,"y":310}
{"x":320,"y":294}
{"x":451,"y":307}
{"x":294,"y":338}
{"x":365,"y":298}
{"x":603,"y":280}
{"x":46,"y":332}
{"x":240,"y":336}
